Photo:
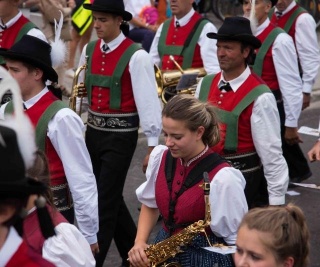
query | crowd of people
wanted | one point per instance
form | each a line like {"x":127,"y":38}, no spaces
{"x":230,"y":150}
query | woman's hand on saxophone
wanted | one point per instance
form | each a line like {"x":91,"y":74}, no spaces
{"x":137,"y":255}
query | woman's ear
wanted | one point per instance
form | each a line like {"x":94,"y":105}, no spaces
{"x":289,"y":262}
{"x":200,"y":132}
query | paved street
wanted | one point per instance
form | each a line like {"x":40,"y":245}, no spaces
{"x":308,"y":199}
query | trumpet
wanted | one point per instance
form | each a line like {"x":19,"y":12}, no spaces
{"x":78,"y":89}
{"x":167,"y":81}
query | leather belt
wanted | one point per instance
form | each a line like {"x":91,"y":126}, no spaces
{"x":245,"y":162}
{"x":111,"y":122}
{"x":62,"y":198}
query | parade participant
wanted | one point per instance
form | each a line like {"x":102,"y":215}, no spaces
{"x":171,"y":39}
{"x":276,"y":63}
{"x":190,"y":128}
{"x":122,"y":92}
{"x":68,"y":247}
{"x":142,"y":26}
{"x":273,"y":236}
{"x":250,"y":123}
{"x":59,"y":134}
{"x":16,"y":154}
{"x":13,"y":25}
{"x":300,"y":25}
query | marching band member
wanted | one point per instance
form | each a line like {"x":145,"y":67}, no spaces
{"x":122,"y":93}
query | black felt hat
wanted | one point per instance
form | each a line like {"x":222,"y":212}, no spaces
{"x":109,"y":6}
{"x":13,"y":180}
{"x":33,"y":51}
{"x":236,"y":29}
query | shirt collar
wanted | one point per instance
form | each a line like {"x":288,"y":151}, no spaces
{"x":184,"y":20}
{"x":114,"y":43}
{"x":237,"y":82}
{"x":11,"y":21}
{"x":261,"y":27}
{"x":289,"y":7}
{"x":187,"y":164}
{"x":29,"y":103}
{"x":10,"y":246}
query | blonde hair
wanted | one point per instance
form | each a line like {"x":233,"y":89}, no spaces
{"x":194,"y":113}
{"x":288,"y":230}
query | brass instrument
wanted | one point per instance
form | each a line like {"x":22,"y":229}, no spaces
{"x":78,"y":89}
{"x":168,"y":80}
{"x":168,"y":248}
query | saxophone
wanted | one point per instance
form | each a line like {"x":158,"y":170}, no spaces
{"x":160,"y":252}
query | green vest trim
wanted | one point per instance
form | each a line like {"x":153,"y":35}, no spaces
{"x":231,"y":118}
{"x":187,"y":52}
{"x":42,"y":125}
{"x":25,"y":28}
{"x":258,"y":62}
{"x":114,"y":81}
{"x":293,"y":17}
{"x":205,"y":87}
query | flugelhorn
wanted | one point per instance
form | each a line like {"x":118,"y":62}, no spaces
{"x":78,"y":89}
{"x":167,"y":81}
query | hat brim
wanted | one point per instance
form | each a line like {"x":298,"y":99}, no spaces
{"x":127,"y":16}
{"x":245,"y":38}
{"x":50,"y":73}
{"x":21,"y":189}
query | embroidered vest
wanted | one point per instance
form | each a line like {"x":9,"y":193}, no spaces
{"x":191,"y":199}
{"x":263,"y":64}
{"x":234,"y":112}
{"x":172,"y":42}
{"x":11,"y":35}
{"x":288,"y":20}
{"x":57,"y":175}
{"x":108,"y":80}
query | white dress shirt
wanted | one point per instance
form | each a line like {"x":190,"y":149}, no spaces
{"x":306,"y":42}
{"x":265,"y":130}
{"x":33,"y":32}
{"x":65,"y":131}
{"x":286,"y":65}
{"x":227,"y":200}
{"x":10,"y":246}
{"x":208,"y":47}
{"x":144,"y":89}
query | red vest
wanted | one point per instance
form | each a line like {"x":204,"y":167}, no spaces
{"x":57,"y":175}
{"x":228,"y":101}
{"x":32,"y":232}
{"x":191,"y":200}
{"x":104,"y":64}
{"x":27,"y":258}
{"x":281,"y":22}
{"x":178,"y":36}
{"x":268,"y":70}
{"x":9,"y":35}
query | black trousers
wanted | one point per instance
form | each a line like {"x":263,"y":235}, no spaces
{"x":256,"y":190}
{"x":111,"y":154}
{"x":298,"y":166}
